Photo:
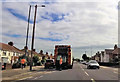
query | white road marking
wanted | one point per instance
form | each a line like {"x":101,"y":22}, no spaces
{"x":41,"y":76}
{"x":116,"y":69}
{"x":36,"y":78}
{"x":93,"y":80}
{"x":115,"y":72}
{"x":86,"y":73}
{"x":83,"y":69}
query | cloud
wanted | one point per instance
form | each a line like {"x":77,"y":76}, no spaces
{"x":50,"y":39}
{"x":53,"y":17}
{"x":13,"y":35}
{"x":16,"y":14}
{"x":79,"y":24}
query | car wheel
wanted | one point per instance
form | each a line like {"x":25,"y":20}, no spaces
{"x":98,"y":67}
{"x":88,"y":67}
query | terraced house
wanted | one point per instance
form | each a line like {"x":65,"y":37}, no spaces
{"x":9,"y":53}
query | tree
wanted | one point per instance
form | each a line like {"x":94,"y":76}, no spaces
{"x":84,"y":57}
{"x":41,"y":51}
{"x":35,"y":59}
{"x":10,"y":43}
{"x":46,"y":53}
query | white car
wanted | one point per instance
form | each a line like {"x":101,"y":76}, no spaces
{"x":93,"y":64}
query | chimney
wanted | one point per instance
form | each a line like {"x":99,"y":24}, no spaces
{"x":25,"y":47}
{"x":115,"y":46}
{"x":34,"y":50}
{"x":10,"y":43}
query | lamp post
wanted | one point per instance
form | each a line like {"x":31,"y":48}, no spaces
{"x":32,"y":45}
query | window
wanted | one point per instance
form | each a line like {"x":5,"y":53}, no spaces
{"x":4,"y":53}
{"x":9,"y":54}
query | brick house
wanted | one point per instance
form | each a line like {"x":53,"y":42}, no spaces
{"x":116,"y":54}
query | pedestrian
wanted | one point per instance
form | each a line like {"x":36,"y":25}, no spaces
{"x":23,"y":63}
{"x":60,"y":67}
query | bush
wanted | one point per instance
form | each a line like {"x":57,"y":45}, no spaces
{"x":35,"y":60}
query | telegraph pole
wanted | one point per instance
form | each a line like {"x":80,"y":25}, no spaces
{"x":27,"y":31}
{"x":32,"y":45}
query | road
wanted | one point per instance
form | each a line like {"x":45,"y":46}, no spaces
{"x":79,"y":72}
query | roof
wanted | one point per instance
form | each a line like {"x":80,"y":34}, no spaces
{"x":7,"y":47}
{"x":62,"y":46}
{"x":109,"y":51}
{"x":116,"y":51}
{"x":29,"y":51}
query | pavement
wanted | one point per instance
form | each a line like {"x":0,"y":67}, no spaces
{"x":78,"y":73}
{"x":16,"y":74}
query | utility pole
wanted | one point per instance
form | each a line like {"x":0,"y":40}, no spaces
{"x":32,"y":45}
{"x":27,"y":31}
{"x":91,"y":51}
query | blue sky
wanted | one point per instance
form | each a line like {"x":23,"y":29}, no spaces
{"x":81,"y":24}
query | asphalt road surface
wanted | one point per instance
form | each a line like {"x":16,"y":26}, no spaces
{"x":79,"y":72}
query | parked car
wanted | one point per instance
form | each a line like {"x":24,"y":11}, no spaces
{"x":3,"y":66}
{"x":49,"y":63}
{"x":93,"y":64}
{"x":84,"y":62}
{"x":16,"y":65}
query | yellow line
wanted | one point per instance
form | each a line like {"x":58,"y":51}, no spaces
{"x":24,"y":78}
{"x":93,"y":80}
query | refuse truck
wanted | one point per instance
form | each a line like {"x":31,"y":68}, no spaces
{"x":65,"y":52}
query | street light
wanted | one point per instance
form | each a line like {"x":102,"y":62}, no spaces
{"x":32,"y":45}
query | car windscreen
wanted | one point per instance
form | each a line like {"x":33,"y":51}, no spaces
{"x":92,"y":62}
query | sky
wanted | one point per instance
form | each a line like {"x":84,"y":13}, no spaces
{"x":88,"y":26}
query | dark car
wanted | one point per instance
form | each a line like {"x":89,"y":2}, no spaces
{"x":3,"y":66}
{"x":49,"y":63}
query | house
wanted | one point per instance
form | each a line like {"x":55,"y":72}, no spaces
{"x":116,"y":54}
{"x":47,"y":56}
{"x":108,"y":56}
{"x":97,"y":57}
{"x":9,"y":53}
{"x":33,"y":53}
{"x":102,"y":56}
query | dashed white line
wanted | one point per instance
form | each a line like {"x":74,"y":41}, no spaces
{"x":41,"y":76}
{"x":86,"y":73}
{"x":115,"y":72}
{"x":83,"y":69}
{"x":38,"y":77}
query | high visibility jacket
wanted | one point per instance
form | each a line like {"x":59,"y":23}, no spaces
{"x":23,"y":61}
{"x":61,"y":61}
